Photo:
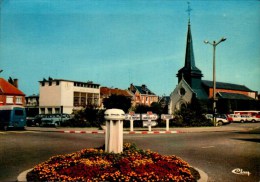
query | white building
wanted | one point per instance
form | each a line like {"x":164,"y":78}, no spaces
{"x":64,"y":96}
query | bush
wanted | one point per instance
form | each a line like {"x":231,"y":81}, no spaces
{"x":187,"y":117}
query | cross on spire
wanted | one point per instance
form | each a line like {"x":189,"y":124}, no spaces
{"x":189,"y":10}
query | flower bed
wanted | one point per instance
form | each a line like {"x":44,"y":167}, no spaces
{"x":96,"y":165}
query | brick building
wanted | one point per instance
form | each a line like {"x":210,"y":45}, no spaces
{"x":10,"y":94}
{"x":142,"y":95}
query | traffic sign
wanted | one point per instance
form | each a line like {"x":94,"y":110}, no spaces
{"x":132,"y":117}
{"x":149,"y":123}
{"x":149,"y":116}
{"x":166,"y":116}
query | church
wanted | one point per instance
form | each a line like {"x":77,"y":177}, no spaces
{"x":230,"y":97}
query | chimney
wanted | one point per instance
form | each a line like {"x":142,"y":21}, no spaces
{"x":131,"y":87}
{"x":15,"y":83}
{"x":144,"y":87}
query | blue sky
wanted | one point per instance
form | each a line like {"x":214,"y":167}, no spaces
{"x":116,"y":43}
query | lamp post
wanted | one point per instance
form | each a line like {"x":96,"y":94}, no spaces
{"x":2,"y":93}
{"x":214,"y":44}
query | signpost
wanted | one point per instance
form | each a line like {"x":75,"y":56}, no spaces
{"x":132,"y":116}
{"x":167,"y":117}
{"x":148,"y":117}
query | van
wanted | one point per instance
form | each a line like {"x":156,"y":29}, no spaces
{"x":12,"y":116}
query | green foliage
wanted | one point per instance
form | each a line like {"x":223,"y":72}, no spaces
{"x":142,"y":108}
{"x":192,"y":115}
{"x":87,"y":117}
{"x":117,"y":101}
{"x":155,"y":108}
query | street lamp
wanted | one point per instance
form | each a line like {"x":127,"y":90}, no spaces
{"x":214,"y":44}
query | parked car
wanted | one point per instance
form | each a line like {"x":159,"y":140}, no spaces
{"x":38,"y":119}
{"x":236,"y":118}
{"x":243,"y":118}
{"x":30,"y":121}
{"x":251,"y":119}
{"x":221,"y":119}
{"x":54,"y":119}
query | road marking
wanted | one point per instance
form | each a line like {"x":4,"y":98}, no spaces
{"x":206,"y":147}
{"x":17,"y":132}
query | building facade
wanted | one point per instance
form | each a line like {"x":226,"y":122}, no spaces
{"x":32,"y":105}
{"x":65,"y":96}
{"x":142,"y":95}
{"x":10,"y":94}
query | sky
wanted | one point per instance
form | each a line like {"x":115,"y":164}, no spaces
{"x":118,"y":42}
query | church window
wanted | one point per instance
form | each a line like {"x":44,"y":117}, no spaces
{"x":182,"y":91}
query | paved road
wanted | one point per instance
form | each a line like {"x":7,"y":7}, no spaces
{"x":217,"y":153}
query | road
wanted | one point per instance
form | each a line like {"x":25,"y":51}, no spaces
{"x":216,"y":153}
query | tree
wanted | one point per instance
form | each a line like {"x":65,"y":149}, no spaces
{"x":192,"y":115}
{"x":156,"y":108}
{"x":117,"y":101}
{"x":142,"y":108}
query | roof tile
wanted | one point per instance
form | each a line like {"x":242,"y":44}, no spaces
{"x":8,"y":89}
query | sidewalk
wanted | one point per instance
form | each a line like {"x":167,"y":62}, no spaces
{"x":144,"y":130}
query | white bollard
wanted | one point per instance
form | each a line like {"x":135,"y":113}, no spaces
{"x":167,"y":124}
{"x":114,"y":130}
{"x":131,"y":125}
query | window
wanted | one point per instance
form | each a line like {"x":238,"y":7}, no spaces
{"x":83,"y":99}
{"x":76,"y":98}
{"x":9,"y":99}
{"x":182,"y":91}
{"x":49,"y":110}
{"x":18,"y":112}
{"x":57,"y":110}
{"x":57,"y":82}
{"x":42,"y":110}
{"x":18,"y":100}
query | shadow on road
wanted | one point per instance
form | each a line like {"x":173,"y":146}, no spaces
{"x":257,"y":140}
{"x":253,"y":131}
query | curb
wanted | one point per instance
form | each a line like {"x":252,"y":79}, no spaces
{"x":125,"y":132}
{"x":203,"y":176}
{"x":22,"y":176}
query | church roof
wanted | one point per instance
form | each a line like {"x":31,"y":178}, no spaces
{"x":227,"y":86}
{"x":236,"y":96}
{"x":200,"y":93}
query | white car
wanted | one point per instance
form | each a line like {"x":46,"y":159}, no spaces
{"x":251,"y":119}
{"x":243,"y":118}
{"x":236,"y":118}
{"x":220,"y":119}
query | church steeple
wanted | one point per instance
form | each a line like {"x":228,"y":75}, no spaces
{"x":190,"y":72}
{"x":189,"y":57}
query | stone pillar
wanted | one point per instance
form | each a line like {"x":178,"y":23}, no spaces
{"x":114,"y":130}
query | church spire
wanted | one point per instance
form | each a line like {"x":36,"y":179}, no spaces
{"x":189,"y":56}
{"x":190,"y":72}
